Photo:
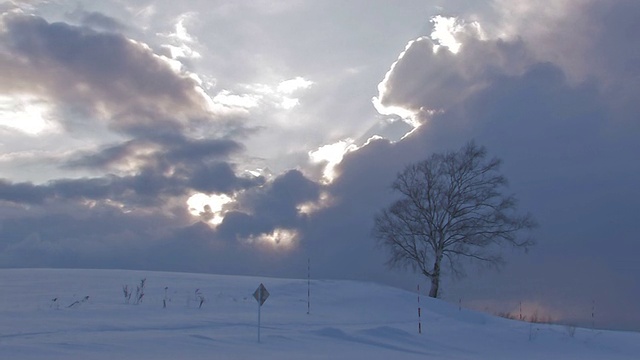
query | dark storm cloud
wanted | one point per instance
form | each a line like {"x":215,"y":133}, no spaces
{"x":198,"y":248}
{"x":616,"y":51}
{"x":148,"y":187}
{"x":89,"y":76}
{"x":338,"y":238}
{"x":118,"y":222}
{"x":287,"y":191}
{"x":25,"y":193}
{"x":170,"y":166}
{"x":273,"y":206}
{"x":144,"y":189}
{"x":240,"y":225}
{"x":167,"y":149}
{"x":79,"y":235}
{"x":218,"y":177}
{"x":186,"y":149}
{"x":574,"y":168}
{"x":103,"y":75}
{"x":110,"y":156}
{"x":71,"y":232}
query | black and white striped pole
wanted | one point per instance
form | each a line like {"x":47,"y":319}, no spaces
{"x":419,"y":313}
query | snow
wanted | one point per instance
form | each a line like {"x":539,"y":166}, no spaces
{"x":348,"y":320}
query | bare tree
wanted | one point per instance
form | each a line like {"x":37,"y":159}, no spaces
{"x":452,"y":207}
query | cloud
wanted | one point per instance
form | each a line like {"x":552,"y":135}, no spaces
{"x":158,"y":151}
{"x":25,"y":193}
{"x":144,"y":189}
{"x":54,"y":237}
{"x":102,"y":75}
{"x":423,"y":81}
{"x":152,"y":171}
{"x":262,"y":210}
{"x":588,"y":40}
{"x":97,"y":20}
{"x":330,"y":156}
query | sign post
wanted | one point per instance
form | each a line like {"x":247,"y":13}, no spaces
{"x":261,"y":294}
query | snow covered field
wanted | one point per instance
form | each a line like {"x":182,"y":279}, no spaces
{"x":348,"y":320}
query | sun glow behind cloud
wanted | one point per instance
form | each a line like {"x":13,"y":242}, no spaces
{"x":292,"y":85}
{"x":447,"y":32}
{"x":25,"y":113}
{"x":310,"y":207}
{"x":407,"y":115}
{"x":245,"y":101}
{"x":444,"y":33}
{"x":255,"y":97}
{"x":289,"y":87}
{"x":211,"y":207}
{"x":278,"y":238}
{"x":332,"y":155}
{"x":181,"y":41}
{"x":450,"y":34}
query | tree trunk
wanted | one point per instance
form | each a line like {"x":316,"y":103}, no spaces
{"x":435,"y":278}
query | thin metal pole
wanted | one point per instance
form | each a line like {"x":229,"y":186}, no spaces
{"x":308,"y":286}
{"x":593,"y":314}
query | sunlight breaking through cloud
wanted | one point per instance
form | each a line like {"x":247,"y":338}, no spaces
{"x":447,"y":30}
{"x":444,"y":33}
{"x":227,"y":98}
{"x":292,"y":85}
{"x":181,"y":41}
{"x":332,"y":155}
{"x":278,"y":238}
{"x":209,"y":207}
{"x":27,"y":114}
{"x":310,"y":207}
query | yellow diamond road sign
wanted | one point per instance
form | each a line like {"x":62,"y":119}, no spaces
{"x":261,"y":294}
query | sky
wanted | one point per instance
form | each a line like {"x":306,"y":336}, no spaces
{"x":255,"y":137}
